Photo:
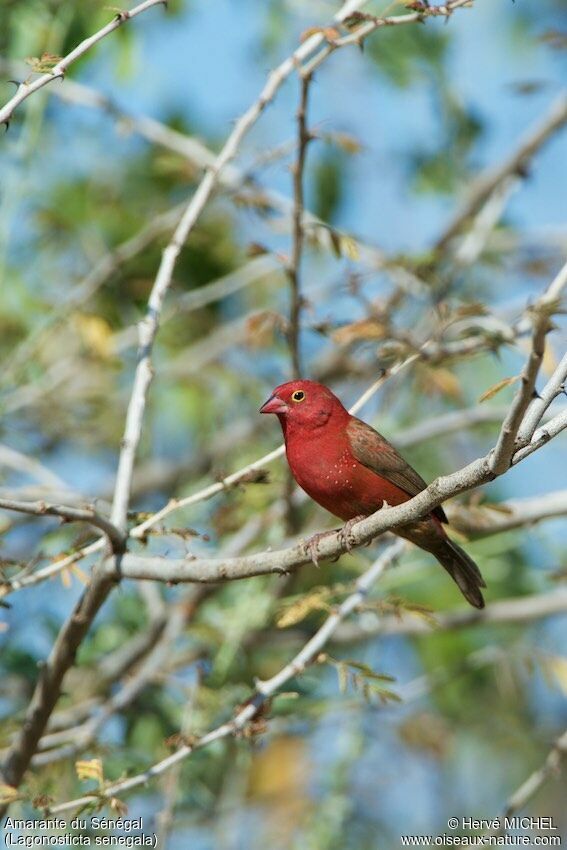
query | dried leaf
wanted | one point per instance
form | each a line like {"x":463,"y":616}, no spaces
{"x":44,"y":64}
{"x":330,"y":33}
{"x":364,"y":329}
{"x":78,"y":572}
{"x":308,"y":33}
{"x":492,"y":391}
{"x":348,"y":143}
{"x":256,"y":249}
{"x":261,"y":328}
{"x":444,"y":381}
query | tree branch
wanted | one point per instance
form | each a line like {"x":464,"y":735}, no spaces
{"x":303,"y":139}
{"x":116,"y":537}
{"x":58,"y":71}
{"x":331,"y":546}
{"x":541,"y":311}
{"x":263,"y":690}
{"x":528,"y":789}
{"x":516,"y":163}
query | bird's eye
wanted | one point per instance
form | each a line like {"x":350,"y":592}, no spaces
{"x":298,"y":395}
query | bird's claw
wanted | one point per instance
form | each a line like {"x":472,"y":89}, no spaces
{"x":311,"y":546}
{"x":345,"y":534}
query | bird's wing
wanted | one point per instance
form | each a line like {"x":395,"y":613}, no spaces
{"x":374,"y":451}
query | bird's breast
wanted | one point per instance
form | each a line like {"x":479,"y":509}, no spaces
{"x":333,"y":477}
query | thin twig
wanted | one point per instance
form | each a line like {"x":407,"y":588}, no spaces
{"x":537,"y":409}
{"x":332,"y":545}
{"x":550,"y":768}
{"x":263,"y":690}
{"x":541,"y":312}
{"x":521,"y":609}
{"x":58,"y":71}
{"x":294,"y":270}
{"x":515,"y":164}
{"x":370,"y":23}
{"x":74,"y":630}
{"x":116,"y":537}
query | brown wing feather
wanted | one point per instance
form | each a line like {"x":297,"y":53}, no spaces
{"x":374,"y":451}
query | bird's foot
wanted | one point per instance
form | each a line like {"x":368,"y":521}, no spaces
{"x":311,"y":545}
{"x":345,"y":533}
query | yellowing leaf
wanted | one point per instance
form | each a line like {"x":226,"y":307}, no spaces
{"x":95,"y":333}
{"x":492,"y":391}
{"x":91,"y":769}
{"x":557,"y":666}
{"x":330,"y":33}
{"x":65,"y":577}
{"x":298,"y":611}
{"x":349,"y":248}
{"x":118,"y":806}
{"x":78,"y":572}
{"x":549,"y":362}
{"x":45,"y":63}
{"x":8,"y":794}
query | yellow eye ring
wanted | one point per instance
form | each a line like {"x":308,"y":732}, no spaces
{"x":298,"y":395}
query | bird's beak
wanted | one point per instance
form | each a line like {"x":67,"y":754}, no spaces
{"x":274,"y":405}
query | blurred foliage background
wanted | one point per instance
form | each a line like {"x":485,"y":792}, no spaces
{"x":402,"y":129}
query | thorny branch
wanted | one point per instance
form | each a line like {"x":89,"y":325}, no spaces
{"x":72,"y":633}
{"x":58,"y":71}
{"x":263,"y":692}
{"x":480,"y":471}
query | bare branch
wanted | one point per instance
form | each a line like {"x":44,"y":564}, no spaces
{"x":370,"y":23}
{"x":488,"y":519}
{"x":521,"y":609}
{"x":331,"y":546}
{"x":58,"y":71}
{"x":552,"y":390}
{"x":89,"y":515}
{"x":515,"y":164}
{"x":263,"y":690}
{"x":541,"y":312}
{"x":550,"y":768}
{"x":303,"y":139}
{"x":76,"y":627}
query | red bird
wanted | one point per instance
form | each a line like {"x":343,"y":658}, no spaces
{"x":351,"y":470}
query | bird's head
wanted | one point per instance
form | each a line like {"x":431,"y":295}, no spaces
{"x":303,"y":403}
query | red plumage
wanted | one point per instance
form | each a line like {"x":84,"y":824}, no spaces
{"x":351,"y":470}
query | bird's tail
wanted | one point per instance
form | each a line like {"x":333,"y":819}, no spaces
{"x":462,"y":570}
